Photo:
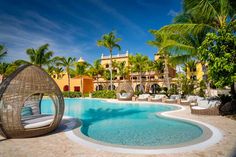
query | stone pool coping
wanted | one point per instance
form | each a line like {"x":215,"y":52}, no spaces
{"x":211,"y":135}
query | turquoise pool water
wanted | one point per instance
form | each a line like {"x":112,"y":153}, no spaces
{"x":127,"y":123}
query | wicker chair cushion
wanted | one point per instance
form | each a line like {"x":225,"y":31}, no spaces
{"x":214,"y":103}
{"x":199,"y":99}
{"x":204,"y":104}
{"x":37,"y":121}
{"x":125,"y":95}
{"x":26,"y":111}
{"x":192,"y":98}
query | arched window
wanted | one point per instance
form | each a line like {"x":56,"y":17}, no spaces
{"x":155,"y":88}
{"x":99,"y":87}
{"x":139,"y":88}
{"x":66,"y":88}
{"x":113,"y":87}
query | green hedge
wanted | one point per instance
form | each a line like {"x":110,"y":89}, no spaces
{"x":72,"y":94}
{"x":111,"y":94}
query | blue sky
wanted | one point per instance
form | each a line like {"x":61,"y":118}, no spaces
{"x":72,"y":27}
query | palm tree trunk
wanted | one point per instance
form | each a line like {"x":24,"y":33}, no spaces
{"x":68,"y":73}
{"x":166,"y":74}
{"x":111,"y":68}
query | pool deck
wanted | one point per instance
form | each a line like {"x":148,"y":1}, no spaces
{"x":58,"y":144}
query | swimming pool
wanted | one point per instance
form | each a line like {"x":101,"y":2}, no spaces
{"x":128,"y":124}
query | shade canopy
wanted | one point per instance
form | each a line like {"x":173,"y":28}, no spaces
{"x":26,"y":88}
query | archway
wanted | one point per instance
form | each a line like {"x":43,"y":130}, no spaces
{"x":155,"y":88}
{"x":99,"y":87}
{"x":113,"y":87}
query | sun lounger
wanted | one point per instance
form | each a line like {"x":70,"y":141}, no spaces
{"x":173,"y":99}
{"x":143,"y":97}
{"x":158,"y":98}
{"x":206,"y":107}
{"x":190,"y":99}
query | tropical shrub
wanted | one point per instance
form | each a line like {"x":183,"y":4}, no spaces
{"x":110,"y":94}
{"x":219,"y":51}
{"x":72,"y":94}
{"x":172,"y":91}
{"x":86,"y":94}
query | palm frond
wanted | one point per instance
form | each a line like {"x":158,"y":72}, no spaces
{"x":187,"y":28}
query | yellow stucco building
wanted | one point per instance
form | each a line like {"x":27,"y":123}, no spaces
{"x":197,"y":73}
{"x":149,"y":80}
{"x":82,"y":84}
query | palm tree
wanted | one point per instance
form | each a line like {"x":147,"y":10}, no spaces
{"x":202,"y":16}
{"x":3,"y":52}
{"x":81,"y":68}
{"x":158,"y":65}
{"x":96,"y":69}
{"x":67,"y":63}
{"x":139,"y":63}
{"x":3,"y":69}
{"x":122,"y":69}
{"x":7,"y":68}
{"x":191,"y":67}
{"x":149,"y":69}
{"x":109,"y":41}
{"x":40,"y":56}
{"x":169,"y":49}
{"x":58,"y":71}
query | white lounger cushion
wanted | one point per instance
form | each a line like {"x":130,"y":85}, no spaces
{"x":37,"y":121}
{"x":159,"y":96}
{"x":143,"y":96}
{"x":208,"y":104}
{"x":39,"y":124}
{"x":124,"y":95}
{"x":174,"y":97}
{"x":198,"y":108}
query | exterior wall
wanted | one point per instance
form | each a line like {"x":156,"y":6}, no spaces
{"x":172,"y":70}
{"x":156,"y":78}
{"x":75,"y":82}
{"x":105,"y":60}
{"x":199,"y":73}
{"x":87,"y":85}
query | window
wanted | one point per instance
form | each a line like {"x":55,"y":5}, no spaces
{"x":77,"y":88}
{"x":107,"y":65}
{"x":66,"y":88}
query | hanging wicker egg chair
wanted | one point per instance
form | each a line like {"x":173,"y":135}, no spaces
{"x":124,"y":91}
{"x":22,"y":92}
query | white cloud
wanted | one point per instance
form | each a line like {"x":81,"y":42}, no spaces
{"x":31,"y":32}
{"x":172,"y":13}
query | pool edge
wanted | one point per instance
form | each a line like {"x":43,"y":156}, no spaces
{"x":215,"y":137}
